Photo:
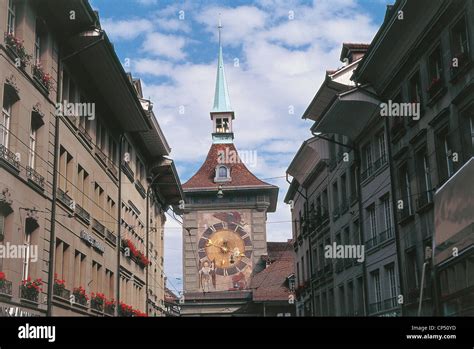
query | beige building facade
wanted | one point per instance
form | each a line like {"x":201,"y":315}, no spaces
{"x":84,"y":163}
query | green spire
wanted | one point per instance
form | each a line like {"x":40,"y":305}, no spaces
{"x":221,"y":94}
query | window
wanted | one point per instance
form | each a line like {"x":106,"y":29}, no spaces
{"x":109,"y":278}
{"x":405,"y":190}
{"x":222,"y":125}
{"x":140,"y":168}
{"x":113,"y":151}
{"x":372,"y":221}
{"x":61,"y":265}
{"x":387,"y":214}
{"x":367,"y":163}
{"x":335,"y":199}
{"x":11,"y":17}
{"x":382,"y":148}
{"x":111,"y":212}
{"x":412,"y":270}
{"x":435,"y":72}
{"x":40,"y":38}
{"x":342,"y":301}
{"x":5,"y":121}
{"x":353,"y":182}
{"x":79,"y":269}
{"x":36,"y":123}
{"x":96,"y":277}
{"x":344,"y":189}
{"x":82,"y":196}
{"x":460,"y":42}
{"x":392,"y":285}
{"x":27,"y":260}
{"x":99,"y":201}
{"x":424,"y":179}
{"x":414,"y":89}
{"x":377,"y":288}
{"x":65,"y":170}
{"x":360,"y":297}
{"x":2,"y":226}
{"x":101,"y":136}
{"x":298,"y":274}
{"x":303,"y":272}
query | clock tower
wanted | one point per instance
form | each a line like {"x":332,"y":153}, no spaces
{"x":224,"y":219}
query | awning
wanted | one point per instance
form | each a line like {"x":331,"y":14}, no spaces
{"x":349,"y":113}
{"x":167,"y":181}
{"x":94,"y":53}
{"x":323,"y":98}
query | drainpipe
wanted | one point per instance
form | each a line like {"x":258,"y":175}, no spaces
{"x":52,"y":239}
{"x":119,"y":223}
{"x":394,"y":205}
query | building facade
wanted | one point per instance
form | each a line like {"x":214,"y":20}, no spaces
{"x":83,"y":159}
{"x":224,"y":220}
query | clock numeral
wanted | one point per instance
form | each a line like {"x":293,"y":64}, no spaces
{"x":224,"y":225}
{"x":202,"y":250}
{"x":225,"y":272}
{"x":212,"y":228}
{"x":236,"y":228}
{"x":245,"y":236}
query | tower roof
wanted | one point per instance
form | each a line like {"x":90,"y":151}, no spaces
{"x":221,"y":93}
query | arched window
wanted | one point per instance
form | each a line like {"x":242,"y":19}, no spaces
{"x":222,"y":172}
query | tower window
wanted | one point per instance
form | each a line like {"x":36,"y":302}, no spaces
{"x":222,"y":125}
{"x":222,"y":174}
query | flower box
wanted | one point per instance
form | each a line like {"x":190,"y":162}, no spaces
{"x":43,"y":78}
{"x":97,"y":301}
{"x":29,"y":290}
{"x":80,"y":296}
{"x":17,"y":49}
{"x":135,"y":254}
{"x":434,"y":87}
{"x":109,"y":307}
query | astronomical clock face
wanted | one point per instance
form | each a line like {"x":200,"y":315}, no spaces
{"x":225,"y":252}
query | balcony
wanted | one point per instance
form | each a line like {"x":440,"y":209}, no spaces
{"x":112,"y":168}
{"x":28,"y":295}
{"x":34,"y":177}
{"x":111,"y":237}
{"x":6,"y":288}
{"x":9,"y":157}
{"x":100,"y":155}
{"x":128,"y":171}
{"x":64,"y":198}
{"x":83,"y":214}
{"x":98,"y":227}
{"x":385,"y":235}
{"x":84,"y":134}
{"x":141,"y":190}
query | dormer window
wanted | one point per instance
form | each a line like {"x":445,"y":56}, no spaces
{"x":222,"y":174}
{"x":222,"y":125}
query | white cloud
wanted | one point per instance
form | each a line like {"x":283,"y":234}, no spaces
{"x":147,"y":2}
{"x":126,"y":29}
{"x":169,"y":46}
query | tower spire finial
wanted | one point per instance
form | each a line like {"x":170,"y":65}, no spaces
{"x":221,"y":96}
{"x":219,"y":27}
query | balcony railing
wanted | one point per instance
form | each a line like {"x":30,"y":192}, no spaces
{"x":80,"y":212}
{"x":385,"y":235}
{"x":390,"y":303}
{"x":380,"y":162}
{"x":344,"y":207}
{"x":6,"y":288}
{"x":9,"y":156}
{"x":100,"y":155}
{"x":366,"y":173}
{"x":128,"y":171}
{"x":336,"y":213}
{"x":339,"y":265}
{"x":32,"y":297}
{"x":140,"y":188}
{"x":372,"y":242}
{"x":84,"y":134}
{"x":34,"y":176}
{"x":424,"y":199}
{"x":375,"y":307}
{"x":111,"y":237}
{"x":112,"y":168}
{"x":64,"y":198}
{"x":98,"y":227}
{"x":62,"y":293}
{"x":404,"y":213}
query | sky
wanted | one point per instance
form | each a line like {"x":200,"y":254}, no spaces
{"x":276,"y":53}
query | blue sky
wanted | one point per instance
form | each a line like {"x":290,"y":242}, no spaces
{"x":276,"y":53}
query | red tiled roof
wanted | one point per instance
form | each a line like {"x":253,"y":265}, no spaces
{"x":269,"y":284}
{"x":239,"y":173}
